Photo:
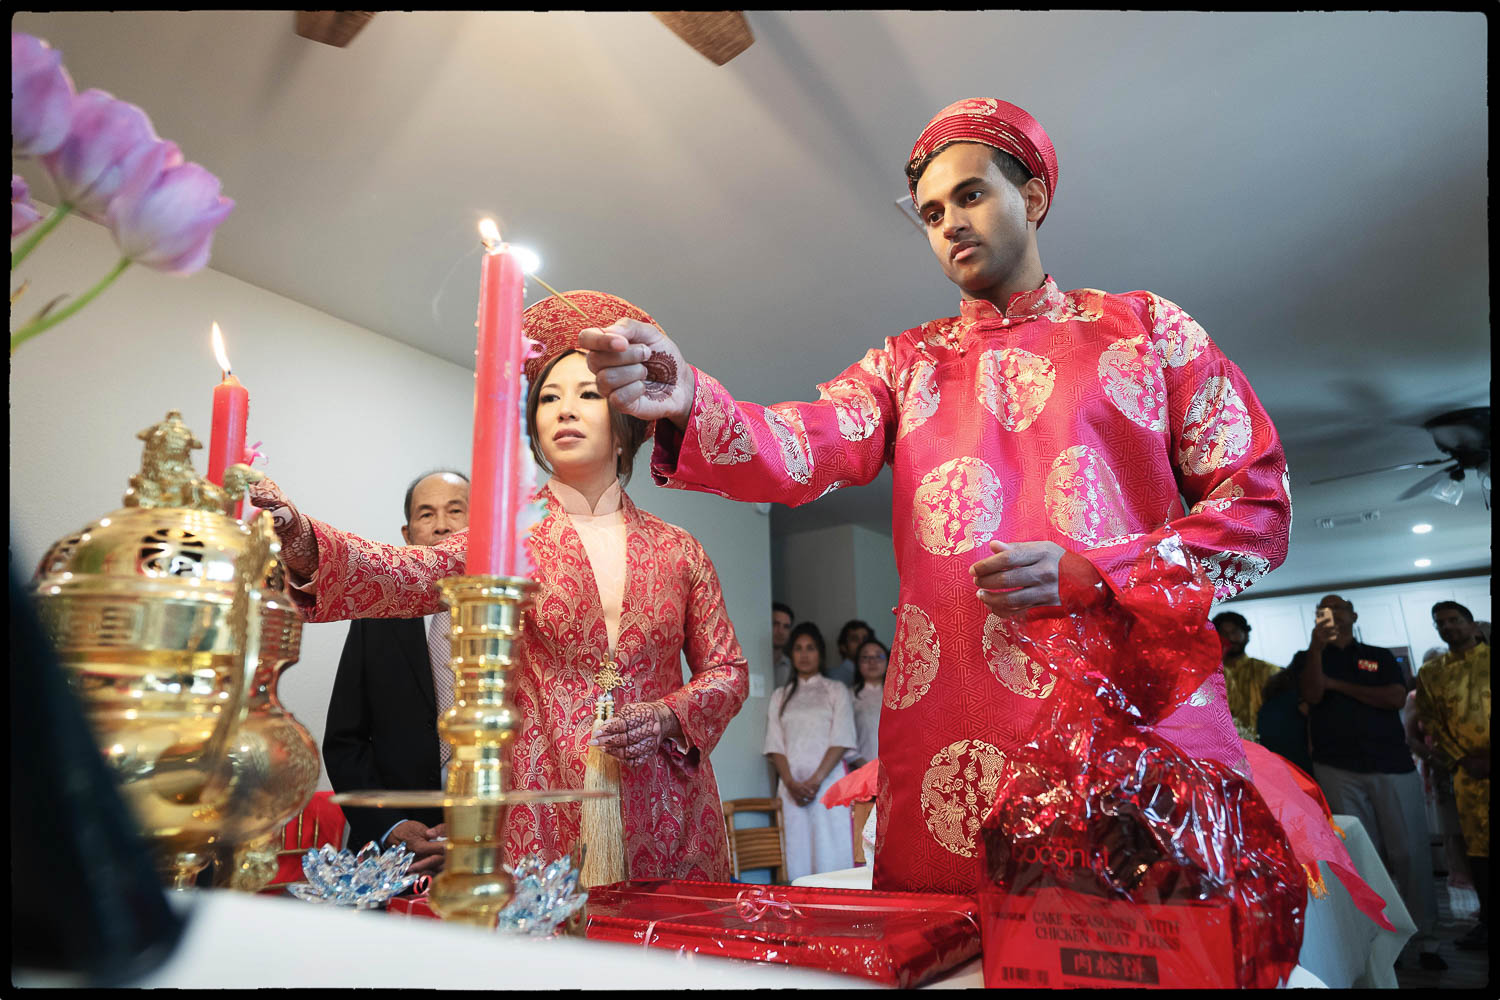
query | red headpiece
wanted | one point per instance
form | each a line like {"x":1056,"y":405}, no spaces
{"x":556,"y":325}
{"x":995,"y":123}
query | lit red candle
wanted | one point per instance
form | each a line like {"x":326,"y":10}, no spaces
{"x":494,"y":487}
{"x":226,"y":442}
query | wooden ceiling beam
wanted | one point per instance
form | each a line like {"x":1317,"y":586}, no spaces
{"x":332,"y":27}
{"x":719,"y":35}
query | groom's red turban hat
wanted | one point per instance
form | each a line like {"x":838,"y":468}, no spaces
{"x":994,"y":123}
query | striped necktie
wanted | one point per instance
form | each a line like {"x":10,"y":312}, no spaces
{"x":439,"y":646}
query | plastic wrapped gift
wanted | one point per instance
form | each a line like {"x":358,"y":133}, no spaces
{"x":1110,"y":857}
{"x":897,"y":938}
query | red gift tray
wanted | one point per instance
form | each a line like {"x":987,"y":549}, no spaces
{"x":897,"y":938}
{"x":1058,"y":938}
{"x":411,"y":906}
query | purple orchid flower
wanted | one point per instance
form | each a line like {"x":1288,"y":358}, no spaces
{"x":22,"y":215}
{"x":165,"y":213}
{"x":41,"y":97}
{"x":109,"y":140}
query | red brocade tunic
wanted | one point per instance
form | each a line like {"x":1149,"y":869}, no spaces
{"x":1075,"y":417}
{"x":672,"y":606}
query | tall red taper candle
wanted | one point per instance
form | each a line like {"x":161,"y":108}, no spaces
{"x":495,"y":481}
{"x":226,"y":441}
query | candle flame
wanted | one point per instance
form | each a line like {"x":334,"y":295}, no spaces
{"x":219,"y":350}
{"x":489,"y":233}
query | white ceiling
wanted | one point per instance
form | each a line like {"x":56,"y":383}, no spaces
{"x":1311,"y":187}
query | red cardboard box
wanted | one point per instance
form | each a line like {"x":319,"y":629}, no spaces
{"x":1059,"y":938}
{"x":897,"y":938}
{"x":411,"y":906}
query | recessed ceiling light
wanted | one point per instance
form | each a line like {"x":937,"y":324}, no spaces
{"x":1420,"y":529}
{"x":1422,"y":563}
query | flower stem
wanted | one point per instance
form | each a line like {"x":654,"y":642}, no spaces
{"x":46,"y":323}
{"x":29,"y":244}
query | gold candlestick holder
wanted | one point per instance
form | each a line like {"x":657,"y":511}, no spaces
{"x":487,"y":615}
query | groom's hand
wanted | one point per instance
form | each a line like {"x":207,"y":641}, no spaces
{"x":1019,"y":575}
{"x":640,"y":371}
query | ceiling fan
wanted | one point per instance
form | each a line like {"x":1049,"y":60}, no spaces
{"x":718,"y":35}
{"x":1464,"y":437}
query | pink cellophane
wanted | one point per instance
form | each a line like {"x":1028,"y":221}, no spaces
{"x":897,"y":938}
{"x":1307,"y":828}
{"x":1107,"y":846}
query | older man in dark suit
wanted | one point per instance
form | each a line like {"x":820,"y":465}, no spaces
{"x":393,"y":680}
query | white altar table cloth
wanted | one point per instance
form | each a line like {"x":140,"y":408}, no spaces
{"x":240,"y":940}
{"x":237,"y":940}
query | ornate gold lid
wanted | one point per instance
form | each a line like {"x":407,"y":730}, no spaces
{"x":173,"y":529}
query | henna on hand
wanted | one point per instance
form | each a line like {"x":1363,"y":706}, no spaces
{"x":661,"y":375}
{"x":636,"y":731}
{"x":299,"y":543}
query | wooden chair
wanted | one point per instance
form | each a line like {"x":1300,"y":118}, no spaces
{"x":320,"y":822}
{"x":756,"y":846}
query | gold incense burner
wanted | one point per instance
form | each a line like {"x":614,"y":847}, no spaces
{"x":161,"y":613}
{"x":273,"y":760}
{"x":487,"y":616}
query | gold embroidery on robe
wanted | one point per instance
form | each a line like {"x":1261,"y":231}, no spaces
{"x":1131,"y":380}
{"x":914,"y":658}
{"x":957,"y":507}
{"x":1014,"y":385}
{"x":957,"y":790}
{"x":1013,"y":668}
{"x":1083,"y":498}
{"x":1176,"y":336}
{"x":1216,"y":431}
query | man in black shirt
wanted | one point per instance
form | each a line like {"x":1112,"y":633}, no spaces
{"x":1361,"y":760}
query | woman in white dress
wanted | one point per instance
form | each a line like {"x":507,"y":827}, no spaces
{"x":870,"y":661}
{"x":810,"y":727}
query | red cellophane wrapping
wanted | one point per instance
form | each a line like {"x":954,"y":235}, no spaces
{"x":1110,"y":858}
{"x":897,"y":938}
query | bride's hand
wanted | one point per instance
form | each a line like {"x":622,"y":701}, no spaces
{"x":636,"y":731}
{"x":299,"y":545}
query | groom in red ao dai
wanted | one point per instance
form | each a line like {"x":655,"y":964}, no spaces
{"x":1064,"y":420}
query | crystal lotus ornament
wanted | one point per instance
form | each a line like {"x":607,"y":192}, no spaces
{"x":41,"y":97}
{"x":365,"y":881}
{"x":108,"y":141}
{"x":545,"y":897}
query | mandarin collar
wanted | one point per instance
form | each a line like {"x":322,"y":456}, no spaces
{"x":1022,"y":306}
{"x":576,"y":504}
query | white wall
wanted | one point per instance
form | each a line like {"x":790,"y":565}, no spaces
{"x":1391,"y":615}
{"x":348,"y":418}
{"x":830,"y":575}
{"x":877,"y":588}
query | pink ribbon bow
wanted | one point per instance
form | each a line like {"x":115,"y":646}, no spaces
{"x":753,"y":904}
